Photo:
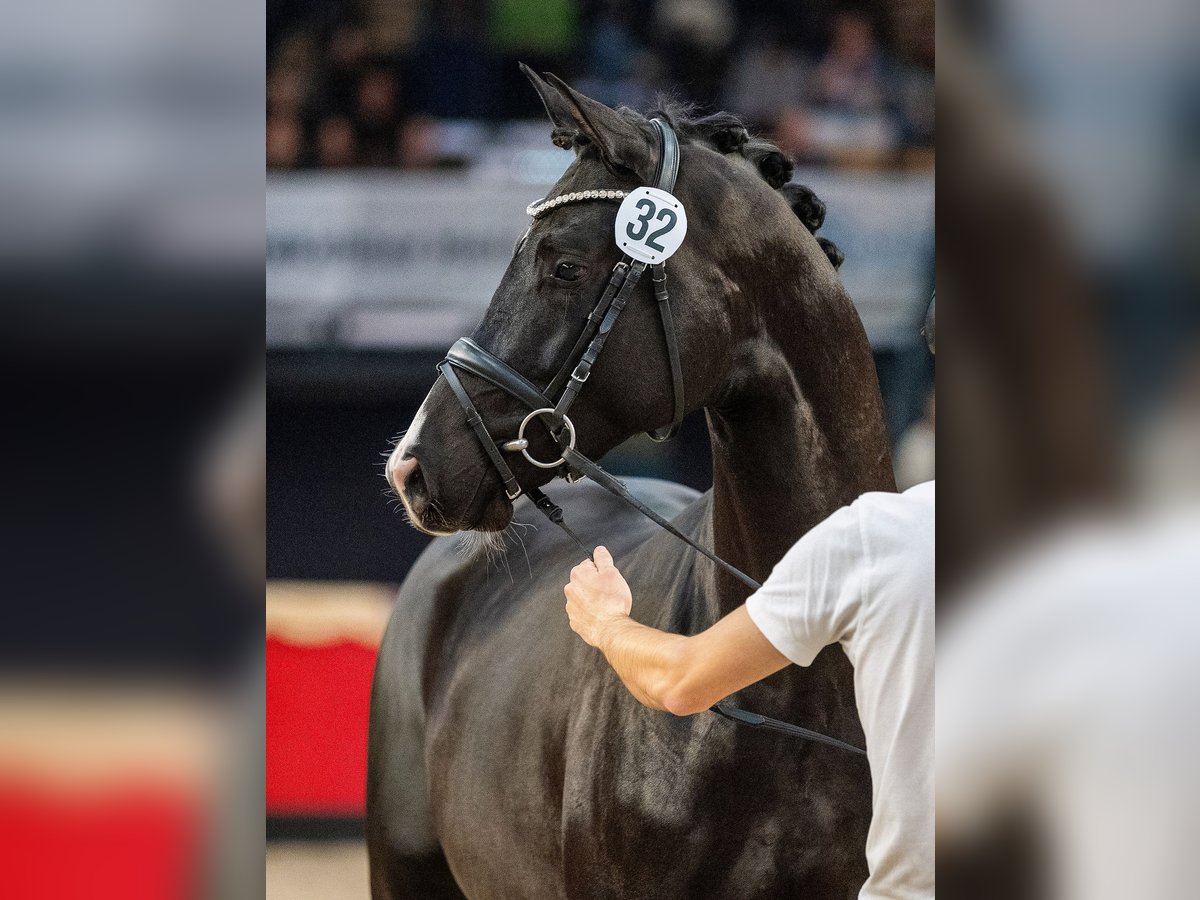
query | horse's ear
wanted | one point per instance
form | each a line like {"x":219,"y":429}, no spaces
{"x":560,"y":112}
{"x":622,"y":145}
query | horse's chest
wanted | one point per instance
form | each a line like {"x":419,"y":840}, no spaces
{"x":493,"y":754}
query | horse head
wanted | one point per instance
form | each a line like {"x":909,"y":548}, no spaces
{"x":733,"y":190}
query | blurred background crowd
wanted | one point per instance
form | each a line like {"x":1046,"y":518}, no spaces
{"x":403,"y":144}
{"x":131,"y":242}
{"x":417,"y":84}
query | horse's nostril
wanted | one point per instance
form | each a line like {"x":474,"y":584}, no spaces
{"x":415,"y":488}
{"x":399,"y":469}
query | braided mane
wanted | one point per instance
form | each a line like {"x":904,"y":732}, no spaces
{"x":727,"y":134}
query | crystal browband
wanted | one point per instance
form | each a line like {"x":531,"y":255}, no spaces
{"x":543,"y":206}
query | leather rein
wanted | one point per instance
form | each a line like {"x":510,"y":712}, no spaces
{"x":568,"y":383}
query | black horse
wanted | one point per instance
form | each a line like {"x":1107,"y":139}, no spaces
{"x":506,"y":759}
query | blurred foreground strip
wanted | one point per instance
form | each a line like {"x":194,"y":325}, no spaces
{"x":1068,"y":734}
{"x":1068,"y":701}
{"x":105,"y":791}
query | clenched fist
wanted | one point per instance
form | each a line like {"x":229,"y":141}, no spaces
{"x":597,"y":597}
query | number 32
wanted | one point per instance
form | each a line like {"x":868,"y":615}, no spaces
{"x":646,"y":205}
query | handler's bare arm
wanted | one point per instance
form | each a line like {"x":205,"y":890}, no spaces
{"x":683,"y":675}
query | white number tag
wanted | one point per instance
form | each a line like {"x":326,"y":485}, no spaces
{"x":650,"y":225}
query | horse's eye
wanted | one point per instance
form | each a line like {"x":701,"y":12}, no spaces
{"x":568,"y":271}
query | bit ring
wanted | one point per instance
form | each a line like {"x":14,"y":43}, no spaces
{"x":525,"y":451}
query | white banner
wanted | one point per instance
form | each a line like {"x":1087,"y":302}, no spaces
{"x":400,"y":260}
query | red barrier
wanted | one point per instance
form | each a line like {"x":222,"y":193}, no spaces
{"x":121,"y":843}
{"x":316,"y":727}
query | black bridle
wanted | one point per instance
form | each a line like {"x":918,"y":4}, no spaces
{"x":567,"y":385}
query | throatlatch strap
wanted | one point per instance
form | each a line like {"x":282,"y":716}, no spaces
{"x":659,"y":277}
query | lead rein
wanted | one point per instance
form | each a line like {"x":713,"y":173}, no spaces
{"x":615,"y":486}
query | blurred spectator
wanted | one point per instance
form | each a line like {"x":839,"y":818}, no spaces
{"x":767,"y":79}
{"x":695,"y":38}
{"x":913,"y":26}
{"x":855,"y":101}
{"x":377,"y":117}
{"x":616,"y":61}
{"x":345,"y":59}
{"x":287,"y":88}
{"x":285,"y":142}
{"x":913,"y":459}
{"x":540,"y":33}
{"x":853,"y":76}
{"x":336,"y":144}
{"x":795,"y":133}
{"x":857,"y":89}
{"x":419,"y":143}
{"x":453,"y":70}
{"x":916,"y":107}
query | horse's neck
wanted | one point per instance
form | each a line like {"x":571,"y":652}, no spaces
{"x":800,"y":435}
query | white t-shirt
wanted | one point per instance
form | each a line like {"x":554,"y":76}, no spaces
{"x":1068,"y":695}
{"x":864,"y":578}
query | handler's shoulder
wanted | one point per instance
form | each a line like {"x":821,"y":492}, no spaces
{"x":918,"y":499}
{"x":905,"y":519}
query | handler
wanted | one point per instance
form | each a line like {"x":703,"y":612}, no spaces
{"x":863,"y":578}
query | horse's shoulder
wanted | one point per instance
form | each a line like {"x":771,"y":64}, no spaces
{"x":532,"y":547}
